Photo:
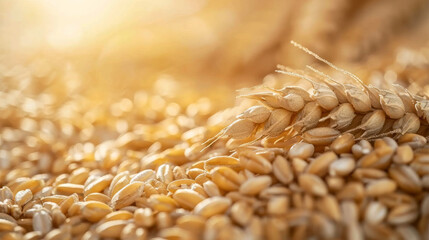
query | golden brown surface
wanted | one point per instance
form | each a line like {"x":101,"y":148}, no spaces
{"x":167,"y":120}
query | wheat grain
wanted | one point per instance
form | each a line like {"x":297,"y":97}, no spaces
{"x":255,"y":185}
{"x":226,"y":161}
{"x":42,"y":222}
{"x":321,"y":136}
{"x":375,"y":212}
{"x":343,"y":144}
{"x":282,"y":170}
{"x":307,"y":118}
{"x":187,"y":198}
{"x":22,"y":197}
{"x":402,"y":214}
{"x":111,"y":229}
{"x":226,"y":178}
{"x":341,"y":116}
{"x":127,"y":195}
{"x":342,"y":167}
{"x":312,"y":184}
{"x":380,"y":187}
{"x":212,"y":206}
{"x":406,"y":178}
{"x":254,"y":162}
{"x":320,"y":165}
{"x":241,"y":213}
{"x":256,"y":114}
{"x":301,"y":150}
{"x":352,"y":190}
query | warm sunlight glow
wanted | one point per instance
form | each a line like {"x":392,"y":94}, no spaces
{"x":70,"y":21}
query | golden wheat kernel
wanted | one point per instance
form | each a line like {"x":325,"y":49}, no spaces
{"x":163,"y":220}
{"x":79,"y":176}
{"x":408,"y":232}
{"x":6,"y":225}
{"x":34,"y":235}
{"x":320,"y":165}
{"x":256,"y":114}
{"x":131,"y":231}
{"x":34,"y":185}
{"x":162,"y":203}
{"x":199,"y":189}
{"x":282,"y":170}
{"x":5,"y":193}
{"x":212,"y":206}
{"x":42,"y":222}
{"x":226,"y":161}
{"x":241,"y":213}
{"x":179,"y":173}
{"x":403,"y":214}
{"x":301,"y":150}
{"x":187,"y":198}
{"x":380,"y":158}
{"x":278,"y":205}
{"x":74,"y":209}
{"x":368,"y":174}
{"x":165,"y":173}
{"x":312,"y":184}
{"x":68,"y":202}
{"x":299,"y":165}
{"x":119,"y":215}
{"x":341,"y":117}
{"x":194,"y":172}
{"x":412,"y":139}
{"x":144,"y":217}
{"x":255,"y":163}
{"x":143,"y":176}
{"x":380,"y":187}
{"x":97,"y":197}
{"x":179,"y":184}
{"x":342,"y":167}
{"x":56,"y":234}
{"x":94,"y":211}
{"x":7,"y":217}
{"x":404,"y":154}
{"x":351,"y":191}
{"x":58,"y":218}
{"x":192,"y":223}
{"x":321,"y":135}
{"x":392,"y":104}
{"x":226,"y":178}
{"x":277,"y":122}
{"x":119,"y":184}
{"x":111,"y":229}
{"x":127,"y":195}
{"x":68,"y":189}
{"x":406,"y":178}
{"x":375,"y":212}
{"x":343,"y":144}
{"x":255,"y":185}
{"x":211,"y":189}
{"x":22,"y":197}
{"x":359,"y":99}
{"x":329,"y":205}
{"x":240,"y":128}
{"x":175,"y":233}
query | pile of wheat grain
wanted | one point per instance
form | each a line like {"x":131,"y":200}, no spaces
{"x":333,"y":161}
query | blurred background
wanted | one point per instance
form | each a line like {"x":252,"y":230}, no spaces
{"x":111,"y":48}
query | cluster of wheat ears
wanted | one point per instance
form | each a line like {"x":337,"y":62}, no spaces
{"x":329,"y":109}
